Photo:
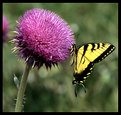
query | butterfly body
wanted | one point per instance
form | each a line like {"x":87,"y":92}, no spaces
{"x":86,"y":56}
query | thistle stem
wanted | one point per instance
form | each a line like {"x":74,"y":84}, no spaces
{"x":21,"y":90}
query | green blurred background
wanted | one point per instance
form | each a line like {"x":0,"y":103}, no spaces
{"x":52,"y":90}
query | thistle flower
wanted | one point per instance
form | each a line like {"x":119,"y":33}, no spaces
{"x":43,"y":38}
{"x":5,"y":28}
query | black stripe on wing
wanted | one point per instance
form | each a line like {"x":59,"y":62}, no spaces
{"x":93,"y":46}
{"x":110,"y":49}
{"x":84,"y":51}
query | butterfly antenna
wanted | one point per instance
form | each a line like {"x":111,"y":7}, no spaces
{"x":75,"y":91}
{"x":76,"y":86}
{"x":84,"y":87}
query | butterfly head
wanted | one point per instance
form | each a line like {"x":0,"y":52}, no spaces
{"x":77,"y":82}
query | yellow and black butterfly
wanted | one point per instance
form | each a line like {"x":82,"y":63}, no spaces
{"x":85,"y":57}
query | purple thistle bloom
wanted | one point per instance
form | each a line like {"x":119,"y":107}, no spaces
{"x":5,"y":28}
{"x":43,"y":38}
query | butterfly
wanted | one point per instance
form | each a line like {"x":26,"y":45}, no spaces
{"x":84,"y":58}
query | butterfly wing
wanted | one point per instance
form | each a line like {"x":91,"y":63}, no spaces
{"x":96,"y":52}
{"x":87,"y":55}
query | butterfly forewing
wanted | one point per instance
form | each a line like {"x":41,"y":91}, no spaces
{"x":87,"y":55}
{"x":106,"y":50}
{"x":96,"y":52}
